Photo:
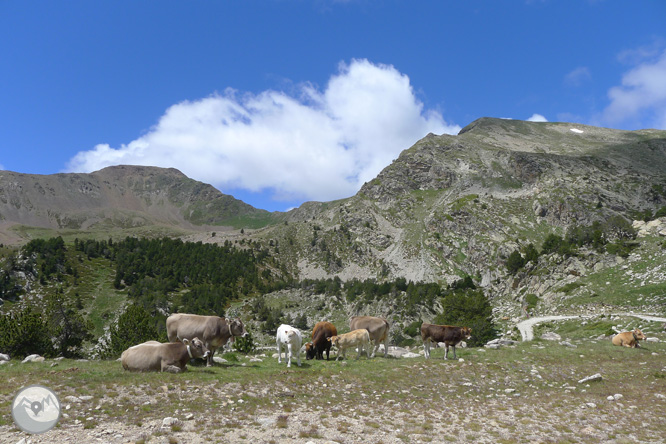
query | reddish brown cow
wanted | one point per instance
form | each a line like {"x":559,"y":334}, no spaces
{"x":447,"y":334}
{"x":320,"y":333}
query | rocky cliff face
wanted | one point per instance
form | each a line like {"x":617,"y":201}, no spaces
{"x":455,"y":205}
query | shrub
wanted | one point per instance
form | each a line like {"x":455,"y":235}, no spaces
{"x":68,"y":329}
{"x":621,"y":248}
{"x":24,"y":333}
{"x":244,"y":345}
{"x":414,"y":328}
{"x":531,"y":300}
{"x":515,"y":262}
{"x":469,"y":308}
{"x":134,"y":326}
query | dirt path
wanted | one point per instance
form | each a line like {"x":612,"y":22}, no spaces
{"x":526,"y":327}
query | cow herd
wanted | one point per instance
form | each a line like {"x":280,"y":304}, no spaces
{"x":194,"y":336}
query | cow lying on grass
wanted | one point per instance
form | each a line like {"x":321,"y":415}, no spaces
{"x":291,"y":339}
{"x":447,"y":334}
{"x":153,"y":356}
{"x":628,"y":338}
{"x":358,"y":338}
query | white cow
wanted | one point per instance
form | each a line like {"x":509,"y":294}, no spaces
{"x":292,"y":339}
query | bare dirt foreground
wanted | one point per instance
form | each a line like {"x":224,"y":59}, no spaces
{"x":527,"y":392}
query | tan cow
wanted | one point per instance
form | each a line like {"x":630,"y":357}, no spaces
{"x":358,"y":338}
{"x":629,"y":338}
{"x":214,"y":331}
{"x":153,"y":356}
{"x":378,"y":328}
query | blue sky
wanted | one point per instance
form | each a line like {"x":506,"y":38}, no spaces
{"x":280,"y":102}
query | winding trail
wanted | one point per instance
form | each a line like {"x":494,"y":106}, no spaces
{"x":526,"y":327}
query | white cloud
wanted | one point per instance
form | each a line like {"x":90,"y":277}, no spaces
{"x":578,"y":76}
{"x":641,"y":98}
{"x":319,"y":145}
{"x":537,"y":118}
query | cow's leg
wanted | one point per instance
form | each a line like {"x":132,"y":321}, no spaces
{"x":279,"y":350}
{"x":170,"y":368}
{"x":426,"y":348}
{"x":454,"y":351}
{"x":446,"y":351}
{"x":289,"y":354}
{"x":209,"y":361}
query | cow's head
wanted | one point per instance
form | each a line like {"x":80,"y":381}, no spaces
{"x":333,"y":340}
{"x":310,"y":351}
{"x":466,"y":332}
{"x":237,"y":328}
{"x":639,"y":335}
{"x":196,"y":348}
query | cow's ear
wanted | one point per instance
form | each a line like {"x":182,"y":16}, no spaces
{"x":186,"y":341}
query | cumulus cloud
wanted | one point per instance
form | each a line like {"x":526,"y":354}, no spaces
{"x":640,"y":100}
{"x":313,"y":144}
{"x":537,"y":118}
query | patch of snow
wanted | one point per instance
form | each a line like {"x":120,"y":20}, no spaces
{"x":577,"y":131}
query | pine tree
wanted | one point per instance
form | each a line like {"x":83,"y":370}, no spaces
{"x":134,"y":326}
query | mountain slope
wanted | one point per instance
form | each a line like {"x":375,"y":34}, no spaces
{"x":459,"y":205}
{"x":116,"y":197}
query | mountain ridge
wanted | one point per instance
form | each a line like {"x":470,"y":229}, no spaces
{"x":120,"y":196}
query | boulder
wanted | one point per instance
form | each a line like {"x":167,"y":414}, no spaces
{"x":594,"y":378}
{"x":551,"y":336}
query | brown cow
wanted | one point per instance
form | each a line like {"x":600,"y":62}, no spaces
{"x":628,"y":338}
{"x":155,"y":356}
{"x":213,"y":330}
{"x":378,"y":328}
{"x":321,"y":331}
{"x":447,"y":334}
